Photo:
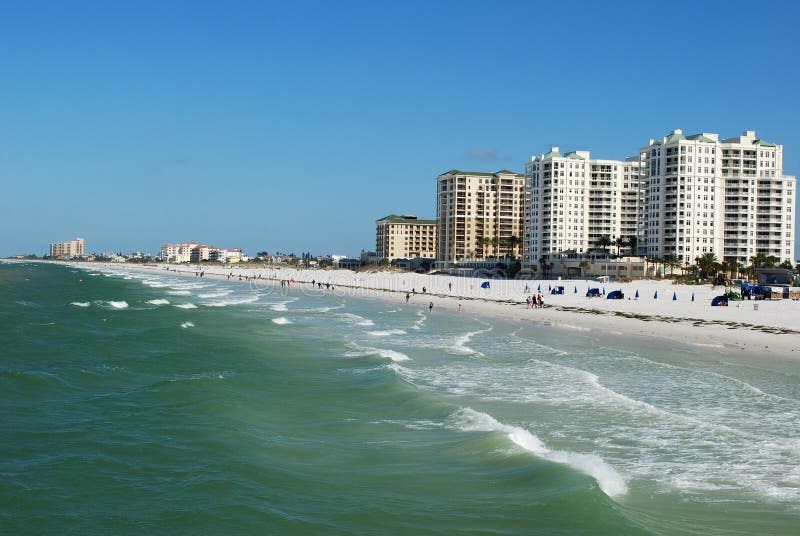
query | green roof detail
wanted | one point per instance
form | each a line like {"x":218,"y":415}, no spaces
{"x":552,"y":154}
{"x":480,"y":173}
{"x":394,"y":218}
{"x":675,"y":137}
{"x":700,"y":137}
{"x":573,"y":155}
{"x":763,"y":143}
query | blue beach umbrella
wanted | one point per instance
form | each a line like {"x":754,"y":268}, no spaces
{"x":576,"y":290}
{"x":604,"y":291}
{"x":674,"y":296}
{"x":549,"y":288}
{"x":637,"y":293}
{"x":539,"y":288}
{"x":692,"y":296}
{"x":655,"y":296}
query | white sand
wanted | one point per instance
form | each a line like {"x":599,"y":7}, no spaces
{"x":749,"y":326}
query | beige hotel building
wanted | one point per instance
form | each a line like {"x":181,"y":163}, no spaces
{"x":479,"y":215}
{"x":405,"y":237}
{"x":70,"y":248}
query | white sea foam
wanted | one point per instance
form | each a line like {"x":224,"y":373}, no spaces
{"x":186,"y":306}
{"x":187,"y":325}
{"x":459,"y":346}
{"x":219,"y":294}
{"x":80,"y":304}
{"x":420,"y":320}
{"x":158,"y":302}
{"x":155,"y":284}
{"x":232,"y":301}
{"x":118,"y":304}
{"x":281,"y":320}
{"x":361,"y":351}
{"x":387,"y":333}
{"x":178,"y":292}
{"x":356,"y":319}
{"x":281,"y":306}
{"x":609,"y":480}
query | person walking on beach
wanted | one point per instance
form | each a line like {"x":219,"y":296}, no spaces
{"x":424,"y":290}
{"x":529,"y":301}
{"x":450,"y":287}
{"x":430,"y":307}
{"x":408,"y":296}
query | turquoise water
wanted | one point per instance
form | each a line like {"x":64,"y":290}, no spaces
{"x":139,"y":402}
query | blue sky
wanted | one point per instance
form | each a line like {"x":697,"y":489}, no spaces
{"x":293,"y":126}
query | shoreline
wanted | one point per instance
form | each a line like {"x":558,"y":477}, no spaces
{"x":747,"y":328}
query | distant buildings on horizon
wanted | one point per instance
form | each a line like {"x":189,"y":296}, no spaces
{"x":70,"y":248}
{"x":195,"y":252}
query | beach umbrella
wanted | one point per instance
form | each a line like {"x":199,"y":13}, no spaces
{"x":674,"y":296}
{"x":692,"y":296}
{"x":539,"y":288}
{"x":637,"y":293}
{"x":604,"y":291}
{"x":655,"y":296}
{"x":549,"y":288}
{"x":576,"y":289}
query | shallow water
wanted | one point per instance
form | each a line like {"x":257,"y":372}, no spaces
{"x":263,"y":410}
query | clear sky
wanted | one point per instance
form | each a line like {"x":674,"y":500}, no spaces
{"x":292,"y":126}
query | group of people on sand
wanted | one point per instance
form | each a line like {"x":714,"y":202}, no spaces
{"x":534,"y":302}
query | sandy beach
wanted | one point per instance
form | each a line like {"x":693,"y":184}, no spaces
{"x":662,"y":309}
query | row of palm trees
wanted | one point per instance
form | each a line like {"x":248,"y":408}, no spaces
{"x":708,"y":265}
{"x":621,"y":242}
{"x":497,"y":242}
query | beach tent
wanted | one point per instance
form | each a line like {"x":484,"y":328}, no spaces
{"x":720,"y":301}
{"x":557,"y":290}
{"x":615,"y":295}
{"x":485,"y":284}
{"x":593,"y":293}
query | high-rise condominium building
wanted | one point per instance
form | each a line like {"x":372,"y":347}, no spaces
{"x":70,"y":248}
{"x":405,"y":237}
{"x":479,"y":215}
{"x":572,"y":201}
{"x":728,"y":197}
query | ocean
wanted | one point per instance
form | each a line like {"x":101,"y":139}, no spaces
{"x":135,"y":402}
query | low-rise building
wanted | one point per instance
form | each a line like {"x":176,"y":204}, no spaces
{"x":405,"y":237}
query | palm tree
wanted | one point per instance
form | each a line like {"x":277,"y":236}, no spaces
{"x":620,"y":243}
{"x":671,"y":261}
{"x":584,"y":266}
{"x":480,"y":242}
{"x":514,"y":242}
{"x":603,"y":242}
{"x":633,"y":242}
{"x":656,"y":261}
{"x":495,"y":243}
{"x":707,"y":263}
